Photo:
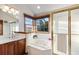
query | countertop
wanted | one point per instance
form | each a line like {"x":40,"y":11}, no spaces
{"x":6,"y":40}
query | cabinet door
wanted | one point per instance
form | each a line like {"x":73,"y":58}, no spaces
{"x":16,"y":48}
{"x":2,"y":51}
{"x":5,"y":48}
{"x":10,"y":48}
{"x":21,"y":46}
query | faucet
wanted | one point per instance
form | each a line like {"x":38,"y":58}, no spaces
{"x":12,"y":35}
{"x":35,"y":36}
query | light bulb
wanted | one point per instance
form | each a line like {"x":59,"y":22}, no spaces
{"x":4,"y":10}
{"x":12,"y":9}
{"x":9,"y":12}
{"x":6,"y":7}
{"x":17,"y":12}
{"x":38,"y":7}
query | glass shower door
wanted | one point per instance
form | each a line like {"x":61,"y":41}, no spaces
{"x":75,"y":32}
{"x":60,"y":33}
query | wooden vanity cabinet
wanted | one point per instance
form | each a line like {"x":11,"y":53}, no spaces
{"x":21,"y":46}
{"x":13,"y":48}
{"x":16,"y":48}
{"x":3,"y":49}
{"x":10,"y":48}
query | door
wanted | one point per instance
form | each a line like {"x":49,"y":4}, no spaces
{"x":60,"y":33}
{"x":75,"y":32}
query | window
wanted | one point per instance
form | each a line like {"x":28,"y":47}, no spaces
{"x":28,"y":24}
{"x":42,"y":24}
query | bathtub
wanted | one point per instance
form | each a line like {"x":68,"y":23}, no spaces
{"x":39,"y":47}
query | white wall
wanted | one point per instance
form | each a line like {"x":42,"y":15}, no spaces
{"x":40,"y":36}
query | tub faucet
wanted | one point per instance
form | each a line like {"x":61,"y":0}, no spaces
{"x":35,"y":36}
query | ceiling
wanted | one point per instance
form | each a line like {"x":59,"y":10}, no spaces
{"x":44,"y":8}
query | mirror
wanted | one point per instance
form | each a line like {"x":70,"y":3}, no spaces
{"x":1,"y":27}
{"x":10,"y":23}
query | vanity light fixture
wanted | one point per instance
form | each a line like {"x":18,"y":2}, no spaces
{"x":6,"y":8}
{"x":10,"y":10}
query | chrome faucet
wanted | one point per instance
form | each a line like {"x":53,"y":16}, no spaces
{"x":35,"y":36}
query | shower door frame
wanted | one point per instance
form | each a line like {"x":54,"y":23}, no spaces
{"x":69,"y":9}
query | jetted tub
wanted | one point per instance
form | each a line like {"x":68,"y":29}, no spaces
{"x":39,"y":47}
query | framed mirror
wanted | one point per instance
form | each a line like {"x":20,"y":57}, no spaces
{"x":1,"y":27}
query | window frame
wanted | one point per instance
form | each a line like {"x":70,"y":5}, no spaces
{"x":28,"y":16}
{"x":34,"y":22}
{"x":40,"y":17}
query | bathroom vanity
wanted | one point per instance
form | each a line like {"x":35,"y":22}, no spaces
{"x":11,"y":43}
{"x":12,"y":46}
